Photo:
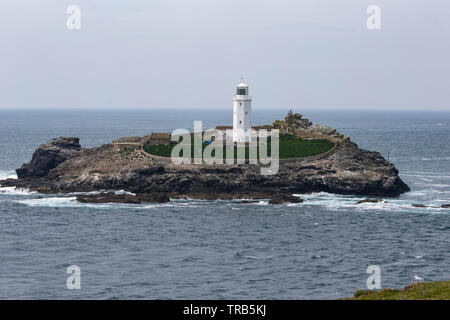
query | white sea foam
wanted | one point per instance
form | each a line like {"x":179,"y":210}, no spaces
{"x":325,"y":200}
{"x":50,"y":202}
{"x":8,"y":175}
{"x":12,"y":191}
{"x":118,"y":192}
{"x":71,"y":202}
{"x":341,"y":202}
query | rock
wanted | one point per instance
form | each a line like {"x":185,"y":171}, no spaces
{"x":48,"y":156}
{"x":324,"y":130}
{"x":44,"y":189}
{"x":245,"y":202}
{"x":108,"y":198}
{"x":291,"y":123}
{"x":446,"y":206}
{"x":158,"y":197}
{"x":283,"y":198}
{"x":111,"y":197}
{"x":368,"y":201}
{"x":423,"y":206}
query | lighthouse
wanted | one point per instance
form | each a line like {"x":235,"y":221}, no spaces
{"x":242,"y":112}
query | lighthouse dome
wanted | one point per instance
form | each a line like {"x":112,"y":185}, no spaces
{"x":242,"y":89}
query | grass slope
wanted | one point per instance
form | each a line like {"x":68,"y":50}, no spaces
{"x":439,"y":290}
{"x":290,"y":147}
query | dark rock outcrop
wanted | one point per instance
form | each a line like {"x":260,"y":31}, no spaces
{"x":419,"y":205}
{"x":48,"y":156}
{"x":108,"y":198}
{"x":158,"y":197}
{"x":446,"y":206}
{"x":368,"y":201}
{"x":111,"y":197}
{"x":292,"y":122}
{"x":246,"y":202}
{"x":284,"y":198}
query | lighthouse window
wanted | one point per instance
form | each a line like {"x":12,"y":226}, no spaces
{"x":241,"y":91}
{"x":245,"y":112}
{"x":240,"y":121}
{"x":240,"y":103}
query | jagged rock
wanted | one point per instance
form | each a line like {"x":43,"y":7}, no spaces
{"x":292,"y":122}
{"x":301,"y":127}
{"x":44,"y":189}
{"x":368,"y":201}
{"x":48,"y":156}
{"x":419,"y":205}
{"x":246,"y":202}
{"x":111,"y":197}
{"x":158,"y":197}
{"x":446,"y":206}
{"x":108,"y":198}
{"x":284,"y":198}
{"x":324,"y":130}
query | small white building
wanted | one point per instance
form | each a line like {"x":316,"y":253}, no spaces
{"x":242,"y":112}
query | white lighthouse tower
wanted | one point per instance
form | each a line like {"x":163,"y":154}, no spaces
{"x":242,"y":112}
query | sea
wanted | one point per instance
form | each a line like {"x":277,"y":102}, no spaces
{"x":191,"y":249}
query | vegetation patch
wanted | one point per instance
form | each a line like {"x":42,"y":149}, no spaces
{"x":290,"y":147}
{"x":439,"y":290}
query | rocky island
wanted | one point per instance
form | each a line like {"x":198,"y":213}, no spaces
{"x":63,"y":166}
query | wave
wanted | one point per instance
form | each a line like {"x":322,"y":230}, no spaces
{"x":342,"y":202}
{"x":242,"y":255}
{"x":325,"y":200}
{"x":11,"y":174}
{"x":434,"y":185}
{"x":425,"y":175}
{"x":435,"y":159}
{"x":71,"y":202}
{"x":49,"y":202}
{"x":117,"y":192}
{"x":12,"y":191}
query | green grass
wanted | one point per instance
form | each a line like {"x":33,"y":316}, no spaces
{"x":290,"y":147}
{"x":439,"y":290}
{"x":161,"y":150}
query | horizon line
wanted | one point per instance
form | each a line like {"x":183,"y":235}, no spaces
{"x":218,"y":109}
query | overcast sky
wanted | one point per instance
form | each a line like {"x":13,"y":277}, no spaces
{"x":308,"y":54}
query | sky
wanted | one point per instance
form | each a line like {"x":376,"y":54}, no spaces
{"x":179,"y":54}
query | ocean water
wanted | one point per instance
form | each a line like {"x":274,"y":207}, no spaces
{"x":319,"y":249}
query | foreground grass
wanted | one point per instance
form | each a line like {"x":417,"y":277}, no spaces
{"x":290,"y":147}
{"x":439,"y":290}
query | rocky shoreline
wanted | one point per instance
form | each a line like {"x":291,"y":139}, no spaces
{"x":63,"y":166}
